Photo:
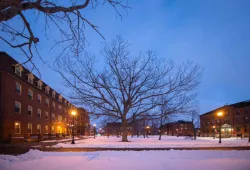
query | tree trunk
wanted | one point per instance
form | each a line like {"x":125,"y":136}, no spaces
{"x":160,"y":130}
{"x":124,"y":130}
{"x":194,"y":131}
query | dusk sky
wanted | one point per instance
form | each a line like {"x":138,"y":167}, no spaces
{"x":213,"y":33}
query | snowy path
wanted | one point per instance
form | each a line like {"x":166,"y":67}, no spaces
{"x":153,"y":142}
{"x":130,"y":160}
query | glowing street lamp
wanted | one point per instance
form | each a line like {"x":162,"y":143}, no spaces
{"x":73,"y":134}
{"x":220,"y":115}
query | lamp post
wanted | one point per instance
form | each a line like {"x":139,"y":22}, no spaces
{"x":73,"y":134}
{"x":147,"y":130}
{"x":94,"y":130}
{"x":214,"y":131}
{"x":220,"y":115}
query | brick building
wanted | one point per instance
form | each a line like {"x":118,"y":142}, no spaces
{"x":30,"y":106}
{"x":234,"y":121}
{"x":179,"y":128}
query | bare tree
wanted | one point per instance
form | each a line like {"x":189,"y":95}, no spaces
{"x":127,"y":87}
{"x":55,"y":16}
{"x":195,"y":119}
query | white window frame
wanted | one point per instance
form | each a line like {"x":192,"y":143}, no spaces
{"x":30,"y":128}
{"x":40,"y":113}
{"x":31,"y":110}
{"x":19,"y":68}
{"x":30,"y":78}
{"x":46,"y":115}
{"x":20,"y":88}
{"x":29,"y":90}
{"x":20,"y":107}
{"x":47,"y":101}
{"x":39,"y":96}
{"x":17,"y":123}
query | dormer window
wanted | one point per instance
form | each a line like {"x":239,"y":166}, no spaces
{"x":30,"y":78}
{"x":53,"y":94}
{"x":18,"y":69}
{"x":60,"y":98}
{"x":47,"y":89}
{"x":39,"y":84}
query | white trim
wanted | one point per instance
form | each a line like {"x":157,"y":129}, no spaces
{"x":20,"y":107}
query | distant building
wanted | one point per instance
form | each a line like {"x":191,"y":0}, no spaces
{"x":30,"y":106}
{"x":234,"y":121}
{"x":179,"y":128}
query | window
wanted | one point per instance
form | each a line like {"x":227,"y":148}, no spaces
{"x":53,"y":117}
{"x":53,"y":94}
{"x":18,"y":70}
{"x":30,"y":94}
{"x":65,"y":119}
{"x":29,"y":128}
{"x":59,"y":118}
{"x":238,"y":129}
{"x":47,"y":102}
{"x":246,"y":119}
{"x":238,"y":120}
{"x":60,"y":107}
{"x":46,"y":115}
{"x":17,"y":107}
{"x":246,"y":128}
{"x":30,"y":78}
{"x":60,"y":98}
{"x":30,"y":110}
{"x":38,"y":128}
{"x":39,"y":84}
{"x":52,"y":129}
{"x":46,"y":129}
{"x":39,"y":115}
{"x":53,"y":105}
{"x":47,"y":89}
{"x":246,"y":110}
{"x":238,"y":112}
{"x":39,"y":98}
{"x":18,"y":88}
{"x":17,"y":127}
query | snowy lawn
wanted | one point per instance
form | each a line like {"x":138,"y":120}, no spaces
{"x":128,"y":160}
{"x":152,"y":142}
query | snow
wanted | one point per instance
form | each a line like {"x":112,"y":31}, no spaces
{"x":153,"y":142}
{"x":62,"y":140}
{"x":128,"y":160}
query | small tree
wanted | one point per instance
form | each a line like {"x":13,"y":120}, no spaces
{"x":195,"y":119}
{"x":128,"y":87}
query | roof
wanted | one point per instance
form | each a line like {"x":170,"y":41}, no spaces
{"x":235,"y":105}
{"x":7,"y":63}
{"x":178,"y":122}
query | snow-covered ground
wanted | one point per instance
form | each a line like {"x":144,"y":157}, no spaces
{"x":152,"y":142}
{"x":128,"y":160}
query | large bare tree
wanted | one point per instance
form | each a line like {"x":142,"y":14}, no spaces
{"x":18,"y":20}
{"x":127,"y":87}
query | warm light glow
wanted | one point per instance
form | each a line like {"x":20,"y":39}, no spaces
{"x":147,"y":127}
{"x":16,"y":123}
{"x":58,"y":127}
{"x":94,"y":125}
{"x":220,"y":114}
{"x":73,"y":112}
{"x":176,"y":129}
{"x":213,"y":126}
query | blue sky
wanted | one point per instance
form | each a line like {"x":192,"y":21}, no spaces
{"x":213,"y":33}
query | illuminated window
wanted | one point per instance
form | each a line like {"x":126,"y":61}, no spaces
{"x":17,"y":107}
{"x":30,"y":110}
{"x":38,"y":128}
{"x":18,"y":88}
{"x":46,"y":129}
{"x":52,"y":129}
{"x":17,"y":127}
{"x":29,"y":128}
{"x":59,"y":118}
